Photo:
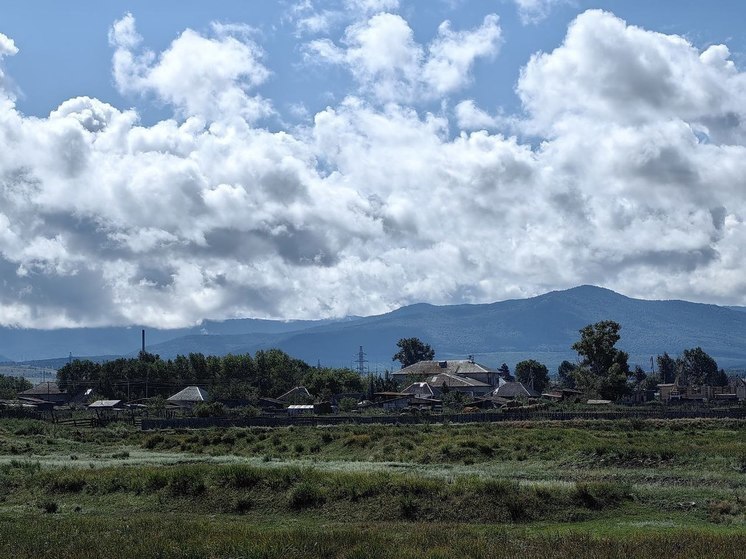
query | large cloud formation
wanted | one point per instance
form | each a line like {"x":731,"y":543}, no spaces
{"x":631,"y":176}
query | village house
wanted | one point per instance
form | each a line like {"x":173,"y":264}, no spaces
{"x":48,"y":392}
{"x":515,"y":391}
{"x":673,"y":392}
{"x":188,"y":398}
{"x":463,"y":368}
{"x":296,"y":395}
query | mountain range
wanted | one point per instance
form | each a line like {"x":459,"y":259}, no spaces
{"x":542,"y":328}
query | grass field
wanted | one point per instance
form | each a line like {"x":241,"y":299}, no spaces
{"x":641,"y":488}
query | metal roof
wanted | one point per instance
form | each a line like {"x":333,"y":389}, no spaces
{"x":298,"y":391}
{"x":454,"y":367}
{"x":189,"y":394}
{"x":43,"y":388}
{"x":515,"y":390}
{"x":454,"y":381}
{"x":105,"y":404}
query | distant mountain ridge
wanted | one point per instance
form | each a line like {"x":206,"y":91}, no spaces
{"x":542,"y":327}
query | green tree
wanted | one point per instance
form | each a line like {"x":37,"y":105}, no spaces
{"x":454,"y":401}
{"x":79,"y":374}
{"x":504,"y":369}
{"x":564,"y":374}
{"x":603,"y":368}
{"x":385,"y":383}
{"x":11,"y":386}
{"x":532,"y":373}
{"x":696,"y":367}
{"x":411,"y":351}
{"x":323,"y":382}
{"x":639,"y":375}
{"x":666,"y":368}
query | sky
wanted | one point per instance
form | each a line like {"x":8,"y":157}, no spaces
{"x":167,"y":162}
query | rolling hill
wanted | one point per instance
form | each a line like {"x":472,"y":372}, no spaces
{"x":542,"y":328}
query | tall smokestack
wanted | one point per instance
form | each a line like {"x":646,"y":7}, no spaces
{"x":143,"y":340}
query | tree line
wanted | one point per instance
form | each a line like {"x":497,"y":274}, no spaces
{"x":602,"y":369}
{"x":268,"y":373}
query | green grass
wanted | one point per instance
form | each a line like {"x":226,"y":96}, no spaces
{"x":173,"y":536}
{"x":547,"y":489}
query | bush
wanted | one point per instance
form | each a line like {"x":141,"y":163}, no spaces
{"x":242,"y":505}
{"x":306,"y":495}
{"x":599,"y":495}
{"x":185,"y":483}
{"x":408,"y":508}
{"x":67,"y":482}
{"x":153,"y":441}
{"x":213,"y":409}
{"x":49,"y":507}
{"x":238,"y":477}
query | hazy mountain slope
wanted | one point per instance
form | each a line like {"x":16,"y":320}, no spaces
{"x":544,"y":327}
{"x":30,"y":345}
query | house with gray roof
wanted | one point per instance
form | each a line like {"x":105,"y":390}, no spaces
{"x":466,"y":368}
{"x":515,"y":391}
{"x":188,"y":398}
{"x":46,"y":392}
{"x":297,"y":395}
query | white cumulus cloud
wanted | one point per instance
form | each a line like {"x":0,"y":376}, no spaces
{"x":534,"y":11}
{"x":387,"y":62}
{"x":200,"y":76}
{"x":633,"y":179}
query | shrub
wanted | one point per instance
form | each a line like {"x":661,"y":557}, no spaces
{"x":408,"y":508}
{"x":67,"y":482}
{"x":242,"y":505}
{"x":306,"y":495}
{"x":49,"y":507}
{"x":186,"y":483}
{"x":238,"y":477}
{"x":357,"y":440}
{"x":500,"y":488}
{"x":153,"y":441}
{"x":599,"y":495}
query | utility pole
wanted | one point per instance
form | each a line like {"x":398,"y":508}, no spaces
{"x":361,"y":362}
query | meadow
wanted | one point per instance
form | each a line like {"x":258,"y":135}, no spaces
{"x":626,"y":488}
